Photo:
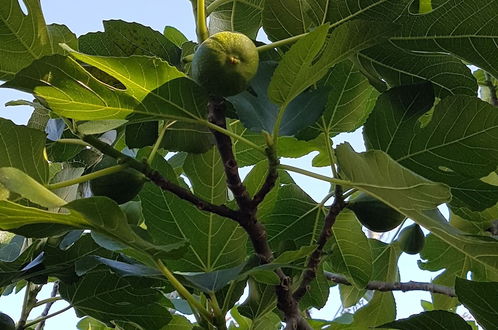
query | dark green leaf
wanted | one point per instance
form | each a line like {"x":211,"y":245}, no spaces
{"x":433,"y":320}
{"x":212,"y":281}
{"x":258,"y":113}
{"x":126,"y":39}
{"x":468,"y":30}
{"x":455,"y":147}
{"x":175,"y":36}
{"x":109,"y":298}
{"x":187,"y":137}
{"x":401,"y":67}
{"x":284,"y":19}
{"x":140,"y":135}
{"x":481,"y":298}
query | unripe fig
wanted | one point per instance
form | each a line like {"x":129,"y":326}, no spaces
{"x":412,"y":239}
{"x":225,"y":62}
{"x":121,"y":186}
{"x":374,"y":214}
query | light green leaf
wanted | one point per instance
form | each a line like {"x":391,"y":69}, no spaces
{"x":22,"y":147}
{"x":467,"y":29}
{"x":287,"y":18}
{"x":139,"y":74}
{"x":74,"y":93}
{"x":175,"y":36}
{"x":178,"y":323}
{"x":60,"y":34}
{"x":433,"y":320}
{"x":481,"y":298}
{"x":401,"y":67}
{"x":351,"y":254}
{"x":377,"y":174}
{"x":350,"y":101}
{"x":379,"y":310}
{"x":23,"y":38}
{"x":20,"y":183}
{"x":310,"y":58}
{"x":456,"y":147}
{"x":244,"y":16}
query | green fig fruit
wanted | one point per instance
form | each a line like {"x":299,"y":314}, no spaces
{"x":6,"y":322}
{"x":225,"y":62}
{"x":121,"y":186}
{"x":412,"y":239}
{"x":374,"y":214}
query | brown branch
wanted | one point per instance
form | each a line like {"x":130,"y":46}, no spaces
{"x":309,"y":274}
{"x":160,"y":181}
{"x":396,"y":286}
{"x":248,"y":208}
{"x":271,"y":177}
{"x":216,"y":110}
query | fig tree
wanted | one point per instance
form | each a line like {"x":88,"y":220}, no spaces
{"x":374,"y":214}
{"x":225,"y":62}
{"x":121,"y":186}
{"x":412,"y":239}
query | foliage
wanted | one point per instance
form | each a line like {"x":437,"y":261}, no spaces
{"x":178,"y":252}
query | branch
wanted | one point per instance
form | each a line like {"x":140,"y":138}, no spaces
{"x":309,"y":274}
{"x":271,"y":177}
{"x":247,"y":217}
{"x":396,"y":286}
{"x":41,"y":319}
{"x":163,"y":183}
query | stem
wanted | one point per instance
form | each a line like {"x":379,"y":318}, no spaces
{"x":158,"y":141}
{"x":278,"y":122}
{"x":280,"y":43}
{"x":330,"y":154}
{"x":28,"y":304}
{"x":396,"y":286}
{"x":182,"y":291}
{"x":73,"y":141}
{"x":47,"y":301}
{"x":215,"y":4}
{"x":38,"y":320}
{"x":314,"y":175}
{"x":202,"y":30}
{"x":231,"y":134}
{"x":87,"y":177}
{"x":218,"y":314}
{"x":349,"y":193}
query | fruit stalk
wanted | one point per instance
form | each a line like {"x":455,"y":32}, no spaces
{"x":202,"y":30}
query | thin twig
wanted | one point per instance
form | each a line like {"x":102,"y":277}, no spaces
{"x":271,"y":177}
{"x":309,"y":274}
{"x":163,"y":183}
{"x":396,"y":286}
{"x":54,"y":292}
{"x":48,"y":316}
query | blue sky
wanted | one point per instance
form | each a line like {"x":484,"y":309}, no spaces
{"x":87,"y":16}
